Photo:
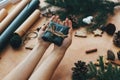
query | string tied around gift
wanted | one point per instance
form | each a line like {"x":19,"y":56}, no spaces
{"x":52,"y":29}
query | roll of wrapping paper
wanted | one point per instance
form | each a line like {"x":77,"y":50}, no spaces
{"x":26,"y":12}
{"x":4,"y":24}
{"x":16,"y":39}
{"x":3,"y":14}
{"x":28,"y":23}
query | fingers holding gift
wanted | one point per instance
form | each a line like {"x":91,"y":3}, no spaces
{"x":58,"y":21}
{"x":43,"y":28}
{"x":55,"y":18}
{"x":70,"y":26}
{"x":66,"y":22}
{"x":52,"y":19}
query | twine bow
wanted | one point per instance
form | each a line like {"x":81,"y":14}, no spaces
{"x":57,"y":33}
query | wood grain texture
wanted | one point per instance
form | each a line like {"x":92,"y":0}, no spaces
{"x":10,"y":58}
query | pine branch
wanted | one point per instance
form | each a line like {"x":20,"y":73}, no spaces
{"x":91,"y":72}
{"x":81,"y":9}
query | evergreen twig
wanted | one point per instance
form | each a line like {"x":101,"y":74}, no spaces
{"x":83,"y":8}
{"x":96,"y":73}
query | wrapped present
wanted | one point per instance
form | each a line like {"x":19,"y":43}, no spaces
{"x":55,"y":33}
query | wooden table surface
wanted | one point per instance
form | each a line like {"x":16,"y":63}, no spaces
{"x":10,"y":58}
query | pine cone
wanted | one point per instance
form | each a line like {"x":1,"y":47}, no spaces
{"x":79,"y":71}
{"x":110,"y":29}
{"x":110,"y":55}
{"x":15,"y":41}
{"x":116,"y":39}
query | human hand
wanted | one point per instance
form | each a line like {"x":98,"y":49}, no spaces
{"x":41,"y":32}
{"x":68,"y":40}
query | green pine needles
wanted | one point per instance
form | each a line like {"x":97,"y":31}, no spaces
{"x":81,"y":71}
{"x":76,"y":10}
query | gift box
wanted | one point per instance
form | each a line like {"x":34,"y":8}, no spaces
{"x":55,"y":33}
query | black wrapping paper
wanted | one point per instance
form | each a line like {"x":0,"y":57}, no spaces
{"x":25,"y":13}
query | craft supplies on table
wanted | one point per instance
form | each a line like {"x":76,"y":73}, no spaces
{"x":26,"y":12}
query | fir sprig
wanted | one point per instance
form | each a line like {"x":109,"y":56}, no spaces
{"x":91,"y":72}
{"x":84,"y":8}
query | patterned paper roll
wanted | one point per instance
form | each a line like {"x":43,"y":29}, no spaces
{"x":3,"y":14}
{"x":26,"y":12}
{"x":16,"y":40}
{"x":4,"y":24}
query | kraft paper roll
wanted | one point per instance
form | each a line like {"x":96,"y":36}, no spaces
{"x":4,"y":24}
{"x":28,"y":23}
{"x":26,"y":12}
{"x":3,"y":14}
{"x":16,"y":40}
{"x":5,"y":3}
